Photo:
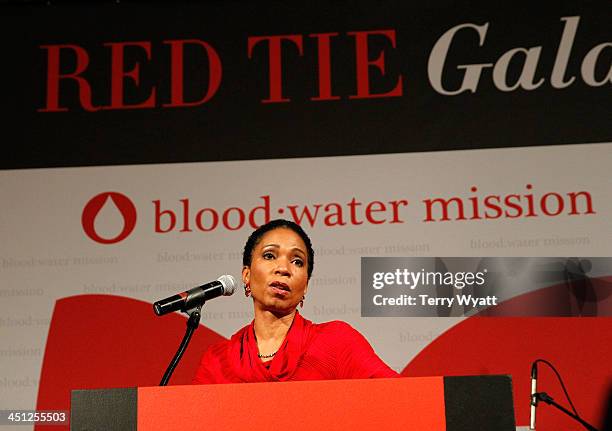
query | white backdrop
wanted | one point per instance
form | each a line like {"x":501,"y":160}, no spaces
{"x":45,"y":254}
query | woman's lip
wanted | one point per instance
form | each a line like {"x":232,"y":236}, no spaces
{"x":280,"y":285}
{"x":278,"y":290}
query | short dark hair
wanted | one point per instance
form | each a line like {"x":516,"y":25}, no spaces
{"x":255,"y":237}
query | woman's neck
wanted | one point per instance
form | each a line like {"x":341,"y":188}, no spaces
{"x":271,"y":330}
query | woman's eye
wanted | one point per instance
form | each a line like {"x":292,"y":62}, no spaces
{"x":298,"y":262}
{"x":268,"y":255}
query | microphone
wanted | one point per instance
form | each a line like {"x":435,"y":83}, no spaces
{"x":534,"y":397}
{"x":223,"y":286}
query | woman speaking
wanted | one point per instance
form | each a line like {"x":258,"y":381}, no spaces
{"x":279,"y":344}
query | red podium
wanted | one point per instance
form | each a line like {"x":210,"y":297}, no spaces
{"x":419,"y":403}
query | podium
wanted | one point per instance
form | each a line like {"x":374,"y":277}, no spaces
{"x":459,"y":403}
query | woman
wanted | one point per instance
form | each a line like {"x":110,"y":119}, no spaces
{"x":280,"y":345}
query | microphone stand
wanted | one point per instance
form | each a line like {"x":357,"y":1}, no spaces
{"x":192,"y":324}
{"x":543,"y":396}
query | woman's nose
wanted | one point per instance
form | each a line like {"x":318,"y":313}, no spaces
{"x":282,"y":267}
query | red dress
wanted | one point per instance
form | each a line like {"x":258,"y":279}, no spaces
{"x":325,"y":351}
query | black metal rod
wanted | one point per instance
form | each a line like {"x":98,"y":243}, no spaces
{"x":192,"y":324}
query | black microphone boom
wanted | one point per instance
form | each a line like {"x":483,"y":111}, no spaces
{"x":184,"y":301}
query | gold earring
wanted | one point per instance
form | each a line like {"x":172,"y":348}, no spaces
{"x":302,"y":301}
{"x":247,"y":290}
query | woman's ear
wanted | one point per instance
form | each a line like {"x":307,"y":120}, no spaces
{"x":246,"y":275}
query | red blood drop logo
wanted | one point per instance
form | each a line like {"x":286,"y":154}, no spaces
{"x":93,"y":207}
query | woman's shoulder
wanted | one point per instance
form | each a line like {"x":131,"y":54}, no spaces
{"x":337,"y":329}
{"x":334,"y":325}
{"x":218,"y":360}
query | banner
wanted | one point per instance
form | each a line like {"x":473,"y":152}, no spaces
{"x":107,"y":84}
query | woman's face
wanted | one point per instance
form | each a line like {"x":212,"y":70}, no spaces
{"x":278,"y":274}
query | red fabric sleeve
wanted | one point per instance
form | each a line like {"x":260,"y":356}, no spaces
{"x":210,"y":366}
{"x":356,"y":358}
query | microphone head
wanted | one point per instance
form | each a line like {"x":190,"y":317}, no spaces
{"x":229,"y":284}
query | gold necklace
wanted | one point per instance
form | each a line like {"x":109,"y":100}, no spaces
{"x":259,"y":355}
